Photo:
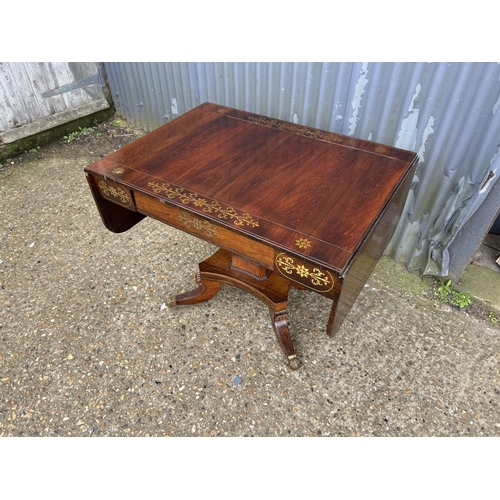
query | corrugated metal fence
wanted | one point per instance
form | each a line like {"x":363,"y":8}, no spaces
{"x":447,"y":112}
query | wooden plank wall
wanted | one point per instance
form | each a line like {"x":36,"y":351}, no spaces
{"x":24,"y":111}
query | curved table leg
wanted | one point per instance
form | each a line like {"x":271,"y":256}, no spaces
{"x":204,"y":292}
{"x":273,"y":291}
{"x":279,"y":319}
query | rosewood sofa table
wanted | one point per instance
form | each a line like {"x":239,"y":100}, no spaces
{"x":287,"y":205}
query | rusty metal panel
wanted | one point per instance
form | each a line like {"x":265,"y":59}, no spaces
{"x":447,"y":112}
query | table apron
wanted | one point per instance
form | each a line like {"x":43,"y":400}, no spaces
{"x":205,"y":229}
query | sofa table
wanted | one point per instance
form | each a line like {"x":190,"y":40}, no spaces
{"x":287,"y":205}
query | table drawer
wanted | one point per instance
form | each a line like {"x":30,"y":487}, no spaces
{"x":205,"y":229}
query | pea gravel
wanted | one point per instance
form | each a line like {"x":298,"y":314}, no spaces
{"x":89,"y":348}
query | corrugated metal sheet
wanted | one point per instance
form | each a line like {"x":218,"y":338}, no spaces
{"x":150,"y":94}
{"x":447,"y":112}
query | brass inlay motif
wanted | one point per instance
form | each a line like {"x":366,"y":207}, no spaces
{"x":192,"y":222}
{"x":320,"y":281}
{"x":297,"y":129}
{"x":118,"y":170}
{"x":117,"y":193}
{"x":289,"y":127}
{"x":380,"y":149}
{"x":188,"y":198}
{"x":303,"y":243}
{"x":335,"y":138}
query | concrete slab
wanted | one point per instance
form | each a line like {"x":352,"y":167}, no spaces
{"x":484,"y":286}
{"x":481,"y":279}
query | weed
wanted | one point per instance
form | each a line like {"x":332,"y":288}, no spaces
{"x":461,"y":299}
{"x":444,"y":291}
{"x":448,"y":295}
{"x":74,"y":135}
{"x":492,"y":317}
{"x":71,"y":137}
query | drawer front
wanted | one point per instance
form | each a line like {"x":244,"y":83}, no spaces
{"x":205,"y":229}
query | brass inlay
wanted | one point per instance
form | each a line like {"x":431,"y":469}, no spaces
{"x":192,"y":222}
{"x":297,"y":129}
{"x":303,"y":243}
{"x":118,"y":170}
{"x":117,"y":193}
{"x":319,"y":280}
{"x":187,"y":198}
{"x":289,"y":127}
{"x":380,"y":149}
{"x":335,"y":138}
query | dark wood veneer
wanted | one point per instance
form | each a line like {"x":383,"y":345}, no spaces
{"x":291,"y":205}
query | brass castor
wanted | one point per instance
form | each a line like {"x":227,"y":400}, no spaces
{"x":293,"y":362}
{"x":171,"y":302}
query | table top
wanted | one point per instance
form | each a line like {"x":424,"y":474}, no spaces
{"x":309,"y":192}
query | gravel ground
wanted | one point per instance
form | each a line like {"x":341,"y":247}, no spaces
{"x":88,"y":347}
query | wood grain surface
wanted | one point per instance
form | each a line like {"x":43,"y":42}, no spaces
{"x":311,"y":193}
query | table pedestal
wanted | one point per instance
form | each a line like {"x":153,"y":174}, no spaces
{"x":268,"y":287}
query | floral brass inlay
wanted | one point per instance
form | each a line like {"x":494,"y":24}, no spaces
{"x":321,"y":281}
{"x":380,"y":149}
{"x":188,"y":198}
{"x":303,"y":243}
{"x":117,"y":193}
{"x":335,"y":138}
{"x":118,"y":170}
{"x":192,"y":222}
{"x":289,"y":127}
